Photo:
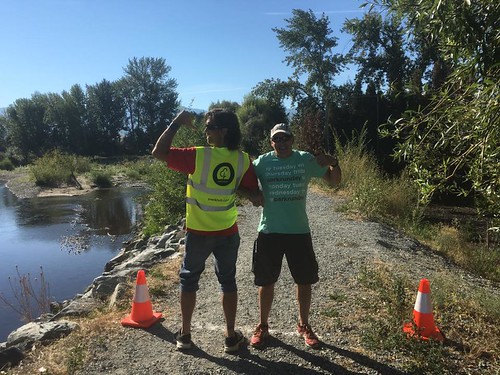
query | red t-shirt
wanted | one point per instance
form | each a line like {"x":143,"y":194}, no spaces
{"x":184,"y":160}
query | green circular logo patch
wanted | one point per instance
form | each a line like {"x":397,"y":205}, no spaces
{"x":223,"y":174}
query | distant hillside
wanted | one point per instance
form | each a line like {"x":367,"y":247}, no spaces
{"x":195,"y":110}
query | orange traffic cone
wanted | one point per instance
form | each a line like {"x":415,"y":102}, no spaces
{"x":423,"y":319}
{"x":142,"y":315}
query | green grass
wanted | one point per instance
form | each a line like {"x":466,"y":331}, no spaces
{"x":57,"y":168}
{"x":395,"y":201}
{"x":469,"y":317}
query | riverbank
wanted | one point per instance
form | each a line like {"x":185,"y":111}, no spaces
{"x":20,"y":183}
{"x":361,"y":264}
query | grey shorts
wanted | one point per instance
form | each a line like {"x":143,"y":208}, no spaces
{"x":224,"y":250}
{"x":268,"y":253}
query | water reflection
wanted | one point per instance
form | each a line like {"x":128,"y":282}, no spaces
{"x":109,"y":213}
{"x":89,"y":229}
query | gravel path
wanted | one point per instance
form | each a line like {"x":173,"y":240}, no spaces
{"x":342,"y":246}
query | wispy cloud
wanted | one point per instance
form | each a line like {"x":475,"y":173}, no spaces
{"x":317,"y":12}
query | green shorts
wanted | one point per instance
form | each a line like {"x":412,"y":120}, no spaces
{"x":268,"y":252}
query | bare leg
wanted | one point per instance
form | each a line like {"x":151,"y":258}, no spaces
{"x":304,"y":295}
{"x":188,"y":302}
{"x":266,"y":297}
{"x":229,"y":305}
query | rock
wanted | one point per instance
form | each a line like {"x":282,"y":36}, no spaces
{"x":119,"y":293}
{"x":10,"y":357}
{"x":103,"y":286}
{"x":78,"y":307}
{"x":112,"y":263}
{"x":25,"y":336}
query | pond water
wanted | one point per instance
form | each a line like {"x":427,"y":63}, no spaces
{"x":67,"y":240}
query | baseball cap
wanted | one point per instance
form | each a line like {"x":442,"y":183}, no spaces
{"x":281,"y":128}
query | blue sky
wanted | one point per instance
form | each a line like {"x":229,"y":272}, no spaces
{"x":218,"y":50}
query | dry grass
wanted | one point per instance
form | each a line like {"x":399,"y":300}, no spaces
{"x":453,"y":242}
{"x":469,"y":317}
{"x":64,"y":356}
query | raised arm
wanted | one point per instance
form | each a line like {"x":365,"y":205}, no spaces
{"x":164,"y":142}
{"x":333,"y":175}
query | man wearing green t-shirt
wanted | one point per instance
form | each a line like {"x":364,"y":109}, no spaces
{"x":284,"y":175}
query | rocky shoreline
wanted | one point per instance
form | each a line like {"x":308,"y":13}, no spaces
{"x":108,"y":288}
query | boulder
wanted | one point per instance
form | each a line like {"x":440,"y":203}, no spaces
{"x":24,"y":337}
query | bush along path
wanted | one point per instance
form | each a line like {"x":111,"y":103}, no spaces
{"x":369,"y":277}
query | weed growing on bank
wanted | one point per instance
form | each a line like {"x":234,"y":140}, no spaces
{"x":395,"y":201}
{"x":30,"y":296}
{"x":56,"y":168}
{"x":469,"y":318}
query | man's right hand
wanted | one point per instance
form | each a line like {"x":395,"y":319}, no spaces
{"x":185,"y":118}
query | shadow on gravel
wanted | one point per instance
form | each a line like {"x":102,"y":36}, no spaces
{"x":365,"y":361}
{"x":161,"y":332}
{"x":252,"y":361}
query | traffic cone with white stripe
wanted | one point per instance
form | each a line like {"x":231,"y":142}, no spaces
{"x":423,"y":319}
{"x":142,"y":315}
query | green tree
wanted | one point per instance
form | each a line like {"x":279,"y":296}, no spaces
{"x":308,"y":41}
{"x":3,"y":133}
{"x":76,"y":112}
{"x":452,"y":143}
{"x":26,"y":131}
{"x":151,"y":100}
{"x":105,"y":116}
{"x":224,"y":104}
{"x":378,"y":50}
{"x":309,"y":44}
{"x":257,"y":116}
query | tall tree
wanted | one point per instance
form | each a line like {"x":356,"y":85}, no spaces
{"x":378,"y":50}
{"x":257,"y":116}
{"x":308,"y":41}
{"x":27,"y":133}
{"x":309,"y":44}
{"x":106,"y":115}
{"x":151,"y":100}
{"x":224,"y":104}
{"x":76,"y":112}
{"x":3,"y":133}
{"x":452,"y":144}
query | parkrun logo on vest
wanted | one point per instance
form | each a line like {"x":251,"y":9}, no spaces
{"x":223,"y":174}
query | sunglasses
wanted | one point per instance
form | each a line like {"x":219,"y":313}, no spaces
{"x":281,"y":139}
{"x":211,"y":127}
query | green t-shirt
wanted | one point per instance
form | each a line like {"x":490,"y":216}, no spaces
{"x":284,"y":183}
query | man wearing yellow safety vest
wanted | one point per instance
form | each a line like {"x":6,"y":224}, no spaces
{"x":215,"y":174}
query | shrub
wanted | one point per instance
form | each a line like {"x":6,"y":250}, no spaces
{"x":166,"y":202}
{"x":52,"y":169}
{"x":371,"y":192}
{"x":101,"y":178}
{"x":6,"y":164}
{"x":29,"y":303}
{"x":139,"y":169}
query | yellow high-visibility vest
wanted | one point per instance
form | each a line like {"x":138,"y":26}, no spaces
{"x":211,"y":189}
